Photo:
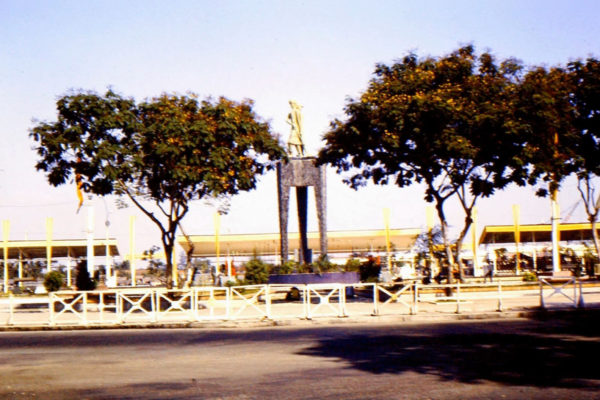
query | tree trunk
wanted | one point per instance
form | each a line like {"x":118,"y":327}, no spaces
{"x":168,"y":244}
{"x":190,"y":271}
{"x":595,"y":236}
{"x":444,"y":227}
{"x":459,"y":241}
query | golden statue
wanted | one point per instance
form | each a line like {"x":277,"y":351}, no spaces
{"x":294,"y":118}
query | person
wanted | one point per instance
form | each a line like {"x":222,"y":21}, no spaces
{"x":489,"y":272}
{"x":295,"y":120}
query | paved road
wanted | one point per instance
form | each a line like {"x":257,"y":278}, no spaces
{"x":499,"y":359}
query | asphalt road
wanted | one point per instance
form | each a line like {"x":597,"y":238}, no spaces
{"x":555,"y":358}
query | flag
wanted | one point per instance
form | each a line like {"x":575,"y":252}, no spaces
{"x":78,"y":184}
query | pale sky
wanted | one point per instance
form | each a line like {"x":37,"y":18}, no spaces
{"x":315,"y":52}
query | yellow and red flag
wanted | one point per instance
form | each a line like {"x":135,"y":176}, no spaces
{"x":78,"y":184}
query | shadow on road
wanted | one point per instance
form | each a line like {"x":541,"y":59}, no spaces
{"x":555,"y":352}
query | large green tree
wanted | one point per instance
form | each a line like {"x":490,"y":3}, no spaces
{"x":445,"y":122}
{"x":585,"y":77}
{"x":161,"y":153}
{"x":544,"y":106}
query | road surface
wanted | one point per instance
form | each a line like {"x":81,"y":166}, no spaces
{"x":555,"y":358}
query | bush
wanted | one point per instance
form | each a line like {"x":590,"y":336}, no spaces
{"x":257,"y":272}
{"x":287,"y":267}
{"x":305,"y":269}
{"x":352,"y":265}
{"x":529,"y":277}
{"x":83,"y":281}
{"x":324,"y":265}
{"x":369,"y":270}
{"x":53,"y":281}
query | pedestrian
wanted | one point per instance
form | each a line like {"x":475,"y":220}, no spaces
{"x":489,"y":272}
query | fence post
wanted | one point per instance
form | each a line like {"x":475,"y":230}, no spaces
{"x":458,"y":297}
{"x":375,"y":299}
{"x":101,"y":305}
{"x":268,"y":300}
{"x":51,"y":308}
{"x":581,"y":303}
{"x":343,"y":289}
{"x":307,"y":297}
{"x":228,"y":296}
{"x":542,"y":304}
{"x":499,"y":296}
{"x":304,"y":303}
{"x":416,"y":298}
{"x":10,"y":309}
{"x":85,"y":307}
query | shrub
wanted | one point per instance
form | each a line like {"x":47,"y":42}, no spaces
{"x":352,"y":265}
{"x":83,"y":281}
{"x":305,"y":269}
{"x":257,"y":272}
{"x":287,"y":267}
{"x":324,"y":265}
{"x":529,"y":277}
{"x":369,"y":270}
{"x":53,"y":281}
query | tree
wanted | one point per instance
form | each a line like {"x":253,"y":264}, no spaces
{"x":428,"y":245}
{"x":53,"y":281}
{"x":585,"y":78}
{"x":545,"y":107}
{"x":160,"y":153}
{"x":445,"y":122}
{"x":83,"y":280}
{"x":257,"y":271}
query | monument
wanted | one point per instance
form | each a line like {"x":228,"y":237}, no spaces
{"x":300,"y":171}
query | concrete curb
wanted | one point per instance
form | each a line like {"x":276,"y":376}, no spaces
{"x":423,"y":318}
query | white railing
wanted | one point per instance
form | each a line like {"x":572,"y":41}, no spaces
{"x":558,"y":288}
{"x":274,"y":302}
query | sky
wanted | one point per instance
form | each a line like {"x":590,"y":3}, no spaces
{"x":319,"y":53}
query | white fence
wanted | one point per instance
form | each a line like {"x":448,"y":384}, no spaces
{"x":276,"y":302}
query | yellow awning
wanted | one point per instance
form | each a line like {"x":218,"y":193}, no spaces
{"x":268,"y":243}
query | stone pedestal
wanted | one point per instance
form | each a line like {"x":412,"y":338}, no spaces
{"x":301,"y":173}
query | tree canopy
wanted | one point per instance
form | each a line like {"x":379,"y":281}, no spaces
{"x":170,"y":149}
{"x":446,"y":122}
{"x":585,"y":80}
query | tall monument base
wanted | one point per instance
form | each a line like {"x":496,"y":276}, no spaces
{"x":301,"y":173}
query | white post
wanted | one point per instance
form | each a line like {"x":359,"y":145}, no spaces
{"x":555,"y":233}
{"x":132,"y":248}
{"x":108,"y":263}
{"x":474,"y":243}
{"x":69,"y":266}
{"x":49,"y":228}
{"x":5,"y":229}
{"x":386,"y":220}
{"x":90,"y":240}
{"x":517,"y":232}
{"x":228,"y":265}
{"x":217,"y":223}
{"x":20,"y":268}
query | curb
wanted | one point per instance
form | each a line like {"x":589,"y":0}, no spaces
{"x":534,"y":313}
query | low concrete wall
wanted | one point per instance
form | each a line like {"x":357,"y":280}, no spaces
{"x":308,"y":279}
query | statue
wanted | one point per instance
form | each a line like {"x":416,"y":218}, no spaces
{"x":295,"y":120}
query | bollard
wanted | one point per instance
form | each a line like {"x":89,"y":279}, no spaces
{"x":542,"y":305}
{"x":458,"y":297}
{"x":375,"y":299}
{"x":10,"y":308}
{"x":581,"y":303}
{"x":268,"y":301}
{"x":499,"y":297}
{"x":415,"y":289}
